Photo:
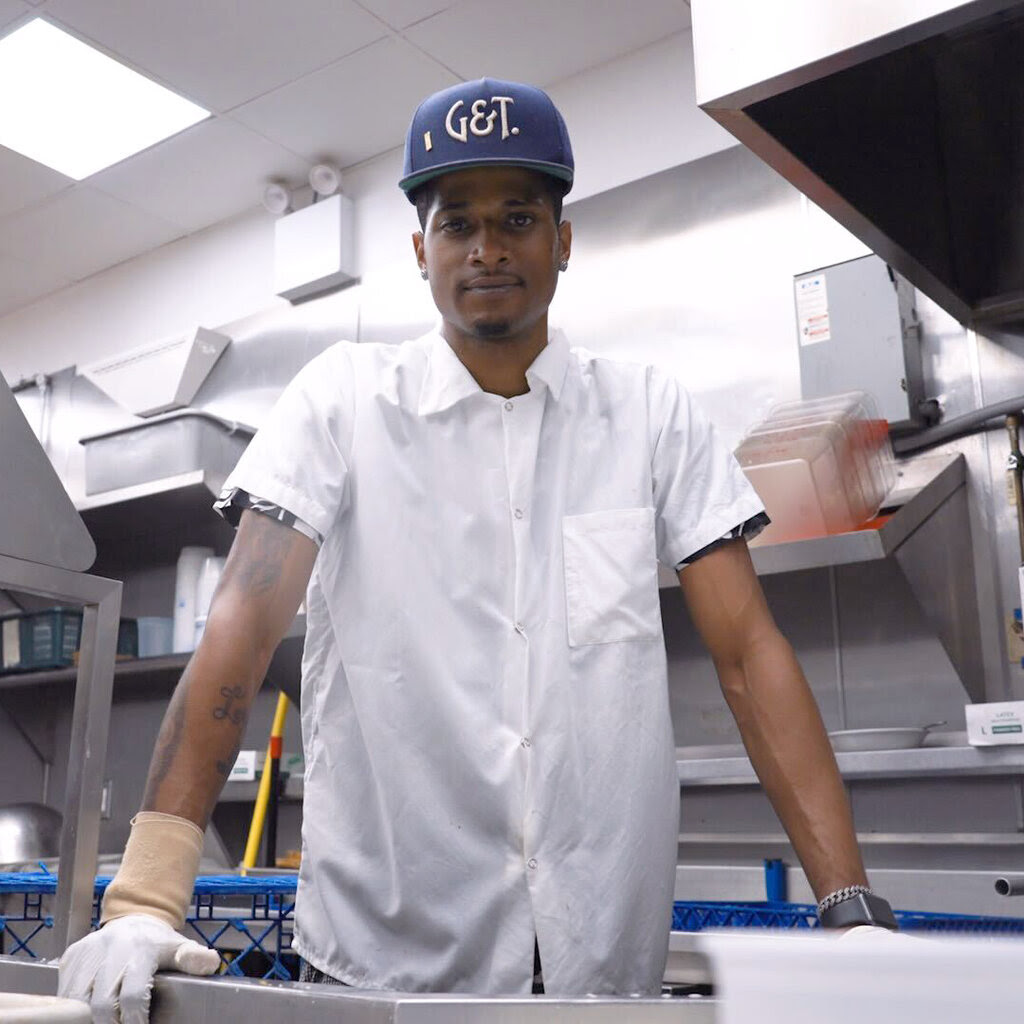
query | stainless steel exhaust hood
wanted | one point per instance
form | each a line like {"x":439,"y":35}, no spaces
{"x":903,"y":120}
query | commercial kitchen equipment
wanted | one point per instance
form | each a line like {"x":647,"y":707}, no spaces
{"x":179,"y":999}
{"x":44,"y":548}
{"x":28,"y":832}
{"x":901,"y":120}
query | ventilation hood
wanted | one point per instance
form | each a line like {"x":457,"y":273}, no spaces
{"x":160,"y":376}
{"x":904,"y":120}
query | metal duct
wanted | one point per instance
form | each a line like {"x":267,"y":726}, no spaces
{"x":906,"y":125}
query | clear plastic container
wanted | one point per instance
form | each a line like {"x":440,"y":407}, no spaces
{"x":872,"y":447}
{"x":821,"y":466}
{"x":799,"y":478}
{"x":841,"y":437}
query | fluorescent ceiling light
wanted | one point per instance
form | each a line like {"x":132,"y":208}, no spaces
{"x":74,"y":109}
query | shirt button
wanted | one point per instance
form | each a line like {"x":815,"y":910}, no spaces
{"x":518,"y":513}
{"x":525,"y":741}
{"x":531,"y":864}
{"x":520,"y":628}
{"x":508,"y":407}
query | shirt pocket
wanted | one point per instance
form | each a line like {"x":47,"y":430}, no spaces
{"x":611,"y":576}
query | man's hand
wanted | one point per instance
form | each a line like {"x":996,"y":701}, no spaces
{"x":112,"y":969}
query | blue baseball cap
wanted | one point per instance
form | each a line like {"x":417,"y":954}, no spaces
{"x":476,"y":124}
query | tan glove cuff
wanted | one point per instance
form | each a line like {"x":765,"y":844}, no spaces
{"x":158,"y":870}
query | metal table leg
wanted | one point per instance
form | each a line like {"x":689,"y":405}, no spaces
{"x":79,"y":844}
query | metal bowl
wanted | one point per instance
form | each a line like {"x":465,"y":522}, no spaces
{"x":896,"y":738}
{"x":28,"y":832}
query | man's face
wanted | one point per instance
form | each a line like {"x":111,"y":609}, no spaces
{"x":491,"y":249}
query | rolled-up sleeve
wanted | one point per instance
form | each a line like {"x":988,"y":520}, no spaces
{"x":299,"y":459}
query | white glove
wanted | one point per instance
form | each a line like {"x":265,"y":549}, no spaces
{"x":112,"y":969}
{"x":870,"y":933}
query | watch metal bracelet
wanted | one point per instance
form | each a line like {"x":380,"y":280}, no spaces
{"x":863,"y":908}
{"x":840,"y":896}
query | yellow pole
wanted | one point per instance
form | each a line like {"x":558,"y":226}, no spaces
{"x":259,"y":812}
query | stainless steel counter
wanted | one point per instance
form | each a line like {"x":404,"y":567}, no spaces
{"x":870,"y":764}
{"x":179,"y":999}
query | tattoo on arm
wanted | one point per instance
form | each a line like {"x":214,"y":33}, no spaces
{"x":232,"y":710}
{"x":167,"y":749}
{"x":229,"y":710}
{"x":264,"y":556}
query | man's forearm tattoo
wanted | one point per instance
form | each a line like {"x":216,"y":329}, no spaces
{"x":269,"y":544}
{"x":167,"y":748}
{"x":232,"y":709}
{"x":224,"y":767}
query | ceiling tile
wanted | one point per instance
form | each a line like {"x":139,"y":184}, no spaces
{"x":402,"y":13}
{"x":543,"y":42}
{"x":355,"y":109}
{"x":11,"y":10}
{"x":222,"y":54}
{"x":23,"y":181}
{"x":21,"y":284}
{"x":80,"y":232}
{"x":208,"y":173}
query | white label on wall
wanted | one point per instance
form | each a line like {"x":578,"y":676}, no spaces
{"x":812,"y":310}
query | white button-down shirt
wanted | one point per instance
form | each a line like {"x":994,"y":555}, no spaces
{"x":489,"y":754}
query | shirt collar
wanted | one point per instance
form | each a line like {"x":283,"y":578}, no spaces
{"x":447,"y":381}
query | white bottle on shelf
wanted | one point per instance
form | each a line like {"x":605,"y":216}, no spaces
{"x":190,"y":564}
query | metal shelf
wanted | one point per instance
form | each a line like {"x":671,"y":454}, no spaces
{"x":179,"y":487}
{"x":925,"y":484}
{"x":245,"y":792}
{"x":147,"y":524}
{"x":283,"y":671}
{"x":136,"y":669}
{"x":930,"y":762}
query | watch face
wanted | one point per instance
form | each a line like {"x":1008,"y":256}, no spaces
{"x":864,"y":908}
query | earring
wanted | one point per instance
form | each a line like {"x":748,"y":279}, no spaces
{"x":564,"y":265}
{"x":423,"y":273}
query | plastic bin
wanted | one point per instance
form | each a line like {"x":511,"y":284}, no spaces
{"x":248,"y":918}
{"x":821,"y":467}
{"x":809,"y":462}
{"x":49,"y":639}
{"x":180,"y":442}
{"x":872,"y":449}
{"x":697,"y":916}
{"x":156,"y":635}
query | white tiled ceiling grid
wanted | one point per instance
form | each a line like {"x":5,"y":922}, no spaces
{"x":289,"y":84}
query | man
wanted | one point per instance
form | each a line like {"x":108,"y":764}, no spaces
{"x":475,"y":518}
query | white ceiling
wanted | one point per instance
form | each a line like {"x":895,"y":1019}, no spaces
{"x":290,"y":84}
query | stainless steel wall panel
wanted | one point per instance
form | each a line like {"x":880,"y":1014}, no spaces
{"x":924,"y":805}
{"x":692,"y":268}
{"x":800,"y":602}
{"x":893,"y":671}
{"x":1000,"y":354}
{"x":935,"y":553}
{"x":739,"y":810}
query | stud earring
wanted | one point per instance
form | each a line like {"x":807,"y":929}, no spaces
{"x":563,"y":266}
{"x":423,"y":273}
